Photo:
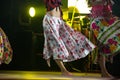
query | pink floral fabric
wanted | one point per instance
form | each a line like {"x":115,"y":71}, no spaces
{"x":5,"y":48}
{"x":62,"y":42}
{"x":101,"y":9}
{"x":108,"y":33}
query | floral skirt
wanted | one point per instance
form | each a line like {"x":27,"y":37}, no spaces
{"x":5,"y":48}
{"x":62,"y":42}
{"x":108,"y":35}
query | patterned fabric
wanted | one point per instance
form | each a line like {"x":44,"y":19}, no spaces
{"x":5,"y":48}
{"x":51,"y":4}
{"x":107,"y":34}
{"x":102,"y":9}
{"x":62,"y":42}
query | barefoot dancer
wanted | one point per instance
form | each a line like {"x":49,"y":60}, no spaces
{"x":62,"y":42}
{"x":106,"y":31}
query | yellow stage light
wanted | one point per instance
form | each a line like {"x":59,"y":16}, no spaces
{"x":32,"y":11}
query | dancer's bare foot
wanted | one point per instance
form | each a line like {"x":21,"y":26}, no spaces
{"x":107,"y":75}
{"x":67,"y":74}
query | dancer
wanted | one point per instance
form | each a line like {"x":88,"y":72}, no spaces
{"x":62,"y":43}
{"x":106,"y":31}
{"x":5,"y":48}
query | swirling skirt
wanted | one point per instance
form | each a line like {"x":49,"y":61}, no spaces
{"x":108,"y":35}
{"x":62,"y":42}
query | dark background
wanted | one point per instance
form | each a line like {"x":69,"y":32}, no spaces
{"x":26,"y":38}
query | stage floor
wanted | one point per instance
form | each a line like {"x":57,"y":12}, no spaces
{"x":41,"y":75}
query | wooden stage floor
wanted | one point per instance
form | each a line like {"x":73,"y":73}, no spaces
{"x":41,"y":75}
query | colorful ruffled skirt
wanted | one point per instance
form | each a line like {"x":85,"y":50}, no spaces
{"x":62,"y":42}
{"x":5,"y":48}
{"x":107,"y":34}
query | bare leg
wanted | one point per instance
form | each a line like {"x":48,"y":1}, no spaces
{"x":62,"y":68}
{"x":48,"y":62}
{"x":103,"y":67}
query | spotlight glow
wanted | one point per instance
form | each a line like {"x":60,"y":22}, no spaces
{"x":32,"y":11}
